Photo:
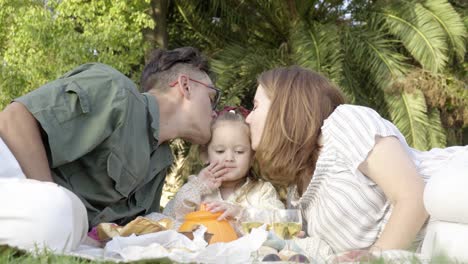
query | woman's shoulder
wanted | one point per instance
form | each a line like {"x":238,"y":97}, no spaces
{"x":352,"y":131}
{"x":356,"y":127}
{"x":344,"y":112}
{"x":347,"y":119}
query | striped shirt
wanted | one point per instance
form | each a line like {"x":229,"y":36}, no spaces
{"x":341,"y":206}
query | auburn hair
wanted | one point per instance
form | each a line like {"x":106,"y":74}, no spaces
{"x":300,"y":102}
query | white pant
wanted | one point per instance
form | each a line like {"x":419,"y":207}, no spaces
{"x":35,"y":214}
{"x":446,"y":201}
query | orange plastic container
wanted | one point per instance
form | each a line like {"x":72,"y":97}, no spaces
{"x":222,"y":231}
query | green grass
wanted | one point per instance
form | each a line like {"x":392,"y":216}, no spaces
{"x":14,"y":256}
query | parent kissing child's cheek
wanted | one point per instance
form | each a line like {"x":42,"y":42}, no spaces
{"x":257,"y":118}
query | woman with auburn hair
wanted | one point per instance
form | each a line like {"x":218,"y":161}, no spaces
{"x":358,"y":184}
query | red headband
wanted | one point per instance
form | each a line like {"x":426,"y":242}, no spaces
{"x":238,"y":110}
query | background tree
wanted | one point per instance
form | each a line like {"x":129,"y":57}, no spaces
{"x":41,"y":40}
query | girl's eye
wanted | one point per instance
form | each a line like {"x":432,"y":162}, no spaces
{"x":219,"y":151}
{"x":240,"y":152}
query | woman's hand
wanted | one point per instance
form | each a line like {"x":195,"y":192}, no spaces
{"x":229,"y":210}
{"x":211,"y":174}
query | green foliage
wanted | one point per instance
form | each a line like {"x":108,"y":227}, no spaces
{"x":419,"y":32}
{"x":452,"y":25}
{"x":12,"y":255}
{"x":437,"y":137}
{"x":41,"y":40}
{"x":410,"y":117}
{"x":317,"y":47}
{"x":366,"y":48}
{"x":237,"y":68}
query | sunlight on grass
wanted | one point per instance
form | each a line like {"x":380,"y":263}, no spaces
{"x":11,"y":255}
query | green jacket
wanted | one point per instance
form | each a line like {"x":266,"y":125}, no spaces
{"x":101,"y":137}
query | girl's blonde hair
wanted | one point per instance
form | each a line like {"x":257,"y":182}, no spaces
{"x":300,"y":102}
{"x":234,"y":116}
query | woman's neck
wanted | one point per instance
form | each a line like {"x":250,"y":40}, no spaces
{"x":228,"y":188}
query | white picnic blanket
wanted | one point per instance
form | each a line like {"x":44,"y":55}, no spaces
{"x":177,"y":247}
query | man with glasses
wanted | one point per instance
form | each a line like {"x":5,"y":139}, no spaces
{"x":102,"y":142}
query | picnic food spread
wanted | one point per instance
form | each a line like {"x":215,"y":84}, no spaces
{"x":139,"y":226}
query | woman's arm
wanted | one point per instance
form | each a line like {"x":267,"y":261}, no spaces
{"x":390,"y":166}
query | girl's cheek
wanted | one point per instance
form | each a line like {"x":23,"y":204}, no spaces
{"x":214,"y":159}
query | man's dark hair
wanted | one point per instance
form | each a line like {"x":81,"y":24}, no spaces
{"x":160,"y":67}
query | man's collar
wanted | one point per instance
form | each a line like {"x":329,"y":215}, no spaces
{"x":153,"y":108}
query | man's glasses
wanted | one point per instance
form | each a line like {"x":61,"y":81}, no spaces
{"x":214,"y":100}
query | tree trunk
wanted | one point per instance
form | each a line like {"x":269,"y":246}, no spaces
{"x":159,"y":12}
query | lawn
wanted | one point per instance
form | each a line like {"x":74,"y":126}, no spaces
{"x":14,"y":256}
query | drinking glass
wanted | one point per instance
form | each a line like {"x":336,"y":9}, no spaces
{"x":254,"y":218}
{"x":287,"y":223}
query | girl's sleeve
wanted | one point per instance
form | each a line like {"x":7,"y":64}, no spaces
{"x":187,"y":199}
{"x":269,"y":198}
{"x":353,"y":130}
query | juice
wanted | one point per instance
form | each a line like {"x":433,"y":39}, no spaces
{"x":286,"y":230}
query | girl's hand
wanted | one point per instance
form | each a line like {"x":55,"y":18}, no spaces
{"x":228,"y":209}
{"x":211,"y":174}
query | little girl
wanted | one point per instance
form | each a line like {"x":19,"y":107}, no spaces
{"x":229,"y":155}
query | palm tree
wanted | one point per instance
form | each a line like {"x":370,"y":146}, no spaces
{"x":401,"y":58}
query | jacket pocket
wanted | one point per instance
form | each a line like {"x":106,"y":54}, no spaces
{"x":125,"y":182}
{"x":76,"y":102}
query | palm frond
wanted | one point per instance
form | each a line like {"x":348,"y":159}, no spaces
{"x":360,"y":88}
{"x":452,"y":25}
{"x":306,"y":9}
{"x":421,"y":35}
{"x":409,"y":114}
{"x":350,"y":86}
{"x":358,"y":82}
{"x":318,"y":47}
{"x":238,"y":65}
{"x":437,"y":137}
{"x":375,"y":52}
{"x":199,"y":23}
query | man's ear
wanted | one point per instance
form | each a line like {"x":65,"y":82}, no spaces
{"x":184,"y":87}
